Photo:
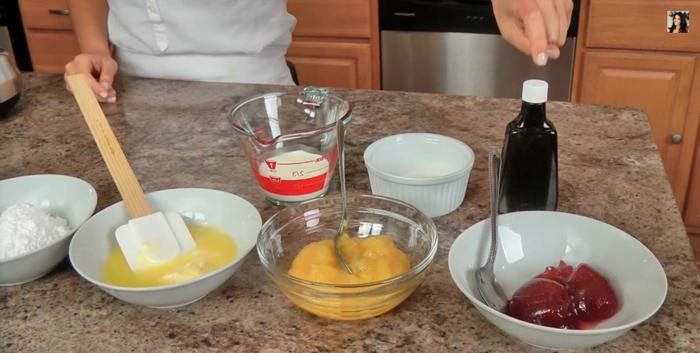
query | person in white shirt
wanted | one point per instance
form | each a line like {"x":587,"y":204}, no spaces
{"x":243,"y":40}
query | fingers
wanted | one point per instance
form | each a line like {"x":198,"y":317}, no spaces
{"x":82,"y":67}
{"x":535,"y":27}
{"x":109,"y":69}
{"x":535,"y":30}
{"x":510,"y":25}
{"x":564,"y":9}
{"x":552,"y":20}
{"x":87,"y":65}
{"x":516,"y":37}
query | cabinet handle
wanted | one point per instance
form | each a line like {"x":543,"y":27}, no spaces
{"x":59,"y":12}
{"x":676,"y":139}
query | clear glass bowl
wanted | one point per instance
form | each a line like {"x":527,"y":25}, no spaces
{"x":287,"y":232}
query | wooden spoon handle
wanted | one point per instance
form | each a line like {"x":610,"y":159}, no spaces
{"x":111,"y":151}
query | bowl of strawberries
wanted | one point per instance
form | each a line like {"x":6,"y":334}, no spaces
{"x":571,"y":282}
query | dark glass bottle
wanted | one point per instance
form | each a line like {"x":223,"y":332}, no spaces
{"x":529,"y":175}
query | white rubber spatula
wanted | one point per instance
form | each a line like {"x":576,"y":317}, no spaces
{"x":149,"y":238}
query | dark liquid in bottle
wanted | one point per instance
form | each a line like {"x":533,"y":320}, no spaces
{"x":529,"y":179}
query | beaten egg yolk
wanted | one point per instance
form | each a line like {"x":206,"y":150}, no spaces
{"x":371,"y":259}
{"x":214,"y":250}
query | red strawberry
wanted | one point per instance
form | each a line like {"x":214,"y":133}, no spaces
{"x":543,"y":302}
{"x":593,"y":296}
{"x":561,"y":273}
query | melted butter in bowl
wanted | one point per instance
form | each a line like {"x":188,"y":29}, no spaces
{"x":235,"y":218}
{"x":214,"y":250}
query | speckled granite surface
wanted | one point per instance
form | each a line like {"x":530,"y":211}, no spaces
{"x":176,"y":135}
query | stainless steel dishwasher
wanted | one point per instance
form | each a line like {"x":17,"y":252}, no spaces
{"x":455,"y":47}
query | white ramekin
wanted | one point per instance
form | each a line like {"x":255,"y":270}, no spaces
{"x":429,"y":171}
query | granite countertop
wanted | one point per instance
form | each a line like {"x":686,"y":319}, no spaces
{"x":176,"y":134}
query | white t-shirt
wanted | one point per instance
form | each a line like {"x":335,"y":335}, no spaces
{"x":211,"y":40}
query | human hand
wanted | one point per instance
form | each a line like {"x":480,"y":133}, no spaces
{"x":100,"y":70}
{"x":535,"y":27}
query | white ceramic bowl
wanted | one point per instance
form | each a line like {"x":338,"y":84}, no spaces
{"x":428,"y":171}
{"x":64,"y":196}
{"x":94,"y":241}
{"x":530,"y":241}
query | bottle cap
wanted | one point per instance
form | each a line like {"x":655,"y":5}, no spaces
{"x":535,"y":91}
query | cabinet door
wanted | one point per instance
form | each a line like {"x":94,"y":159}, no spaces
{"x":52,"y":50}
{"x":692,"y":210}
{"x":692,"y":206}
{"x":331,"y":64}
{"x":660,"y":85}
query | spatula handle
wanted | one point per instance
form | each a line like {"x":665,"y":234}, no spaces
{"x":109,"y":147}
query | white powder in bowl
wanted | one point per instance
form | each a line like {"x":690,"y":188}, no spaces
{"x":25,"y":228}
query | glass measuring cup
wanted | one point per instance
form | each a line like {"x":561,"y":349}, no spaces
{"x":290,"y":141}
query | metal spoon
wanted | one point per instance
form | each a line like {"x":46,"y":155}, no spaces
{"x":342,"y":230}
{"x":489,"y":290}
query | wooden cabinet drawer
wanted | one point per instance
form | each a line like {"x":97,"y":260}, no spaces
{"x":336,"y":18}
{"x":45,"y":14}
{"x":51,"y":51}
{"x":640,"y":24}
{"x":332,"y":64}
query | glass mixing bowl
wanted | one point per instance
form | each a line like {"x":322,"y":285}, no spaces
{"x":287,"y":232}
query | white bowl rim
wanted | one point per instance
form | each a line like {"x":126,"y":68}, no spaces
{"x":72,"y":230}
{"x":586,"y":332}
{"x":169,"y":286}
{"x":371,"y":150}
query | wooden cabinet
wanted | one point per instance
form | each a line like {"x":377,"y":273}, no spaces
{"x":639,"y":24}
{"x":660,"y":84}
{"x":49,"y":32}
{"x":334,"y":45}
{"x":692,"y":206}
{"x":332,"y":64}
{"x":692,"y":212}
{"x":52,"y":50}
{"x":338,"y":19}
{"x":632,"y":61}
{"x":46,"y":14}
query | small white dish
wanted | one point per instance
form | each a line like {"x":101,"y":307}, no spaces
{"x":60,"y":195}
{"x":428,"y":171}
{"x":530,"y":241}
{"x":95,"y":240}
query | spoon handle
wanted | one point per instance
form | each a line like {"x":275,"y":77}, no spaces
{"x":341,"y":167}
{"x":112,"y":153}
{"x":343,"y":196}
{"x":494,"y":183}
